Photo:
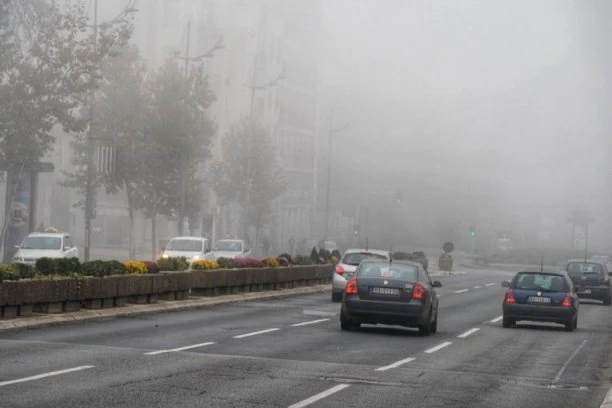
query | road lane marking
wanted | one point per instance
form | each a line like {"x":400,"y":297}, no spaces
{"x":396,"y":364}
{"x":319,"y":396}
{"x":477,"y":287}
{"x":438,"y":347}
{"x":569,"y":360}
{"x":467,"y":333}
{"x":174,"y":350}
{"x":489,"y":284}
{"x":497,"y":319}
{"x":45,"y":375}
{"x":461,"y":291}
{"x":242,"y":336}
{"x":310,"y":322}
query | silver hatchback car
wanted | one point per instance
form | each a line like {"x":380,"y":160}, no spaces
{"x":345,"y":269}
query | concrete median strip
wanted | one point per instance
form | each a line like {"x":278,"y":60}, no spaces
{"x":162,"y":306}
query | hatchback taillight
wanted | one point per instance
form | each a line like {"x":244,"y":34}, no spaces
{"x":568,"y":301}
{"x":351,"y":287}
{"x":418,"y":291}
{"x":510,"y":297}
{"x":339,"y":269}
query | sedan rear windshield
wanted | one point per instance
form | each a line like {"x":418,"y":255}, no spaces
{"x":388,"y":271}
{"x":576,"y":269}
{"x":355,"y":258}
{"x":543,"y":282}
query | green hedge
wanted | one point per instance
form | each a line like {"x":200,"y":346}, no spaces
{"x":173,"y":264}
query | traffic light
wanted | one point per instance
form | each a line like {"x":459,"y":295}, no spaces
{"x":473,"y":231}
{"x":356,"y":229}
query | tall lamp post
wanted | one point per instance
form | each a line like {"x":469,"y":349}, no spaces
{"x":90,"y":172}
{"x":332,"y":130}
{"x":198,"y":58}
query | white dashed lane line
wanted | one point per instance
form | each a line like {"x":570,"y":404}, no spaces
{"x":468,"y":333}
{"x":319,"y":396}
{"x":438,"y":347}
{"x":396,"y":364}
{"x":477,"y":287}
{"x":242,"y":336}
{"x":497,"y":319}
{"x":174,"y":350}
{"x":461,"y":291}
{"x":489,"y":284}
{"x":45,"y":375}
{"x":310,"y":322}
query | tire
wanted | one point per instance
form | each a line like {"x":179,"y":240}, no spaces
{"x":434,"y":325}
{"x":336,"y":297}
{"x":607,"y":300}
{"x":576,"y":322}
{"x":570,"y":326}
{"x":508,"y":322}
{"x":346,"y":323}
{"x":425,"y":329}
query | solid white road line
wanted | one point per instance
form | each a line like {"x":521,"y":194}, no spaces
{"x":396,"y":364}
{"x":45,"y":375}
{"x":477,"y":287}
{"x":497,"y":319}
{"x":467,"y":333}
{"x":461,"y":291}
{"x":319,"y":396}
{"x":174,"y":350}
{"x":242,"y":336}
{"x":310,"y":322}
{"x":489,"y":284}
{"x":569,"y":360}
{"x":438,"y":347}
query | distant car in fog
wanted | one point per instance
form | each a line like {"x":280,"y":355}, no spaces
{"x":191,"y":248}
{"x":591,"y":279}
{"x":230,"y":248}
{"x":603,"y":259}
{"x":45,"y":245}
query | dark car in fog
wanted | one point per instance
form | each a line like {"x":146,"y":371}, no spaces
{"x":393,"y":293}
{"x":591,"y":279}
{"x":541,"y":297}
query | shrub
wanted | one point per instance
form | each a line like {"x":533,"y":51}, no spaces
{"x":9,"y":272}
{"x":282,"y":261}
{"x":334,"y":259}
{"x":287,"y":257}
{"x":116,"y":268}
{"x":204,"y":264}
{"x":448,"y":247}
{"x":314,"y":256}
{"x":271,"y":262}
{"x":303,"y":260}
{"x":136,"y":267}
{"x":67,"y":266}
{"x":96,"y":268}
{"x":25,"y":271}
{"x":336,"y":254}
{"x":173,"y":264}
{"x":225,"y":263}
{"x":324,"y":255}
{"x":46,"y":266}
{"x":248,"y":263}
{"x":151,"y":266}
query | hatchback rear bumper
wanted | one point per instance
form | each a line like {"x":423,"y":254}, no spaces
{"x":596,"y":292}
{"x":539,"y":313}
{"x":385,"y":312}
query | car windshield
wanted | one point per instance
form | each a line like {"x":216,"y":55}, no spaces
{"x":42,"y":243}
{"x":542,"y":282}
{"x":228,"y":246}
{"x":355,"y":258}
{"x":385,"y":270}
{"x":577,"y":269}
{"x":187,"y":245}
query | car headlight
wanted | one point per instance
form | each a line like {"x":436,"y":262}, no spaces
{"x":165,"y":256}
{"x":195,"y":257}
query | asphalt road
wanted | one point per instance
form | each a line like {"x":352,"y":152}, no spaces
{"x":291,"y":352}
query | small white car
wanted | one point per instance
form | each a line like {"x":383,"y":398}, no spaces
{"x":45,"y":245}
{"x":230,"y":248}
{"x":191,"y":248}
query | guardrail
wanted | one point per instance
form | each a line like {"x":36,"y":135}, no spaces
{"x":61,"y":295}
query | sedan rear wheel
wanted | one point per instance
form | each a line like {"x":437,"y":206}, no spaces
{"x":507,"y":322}
{"x":571,"y":325}
{"x":607,"y":300}
{"x":425,"y":328}
{"x":434,"y":325}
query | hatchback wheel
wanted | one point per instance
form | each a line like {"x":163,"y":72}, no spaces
{"x":434,"y":325}
{"x":571,"y":325}
{"x":507,"y":322}
{"x":607,"y":300}
{"x":425,"y":329}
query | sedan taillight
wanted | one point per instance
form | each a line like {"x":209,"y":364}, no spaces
{"x":418,"y":292}
{"x":510,"y":297}
{"x":568,"y":301}
{"x":351,"y":287}
{"x":339,"y":269}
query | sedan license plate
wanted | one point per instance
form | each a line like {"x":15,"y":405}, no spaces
{"x":538,"y":299}
{"x":385,"y":291}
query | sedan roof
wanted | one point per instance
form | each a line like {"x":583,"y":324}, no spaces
{"x":370,"y":251}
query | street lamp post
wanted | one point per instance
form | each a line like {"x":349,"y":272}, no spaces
{"x":332,"y":130}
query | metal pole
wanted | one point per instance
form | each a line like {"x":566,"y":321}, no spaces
{"x":329,"y":169}
{"x":247,"y":148}
{"x":89,"y":188}
{"x":183,"y":192}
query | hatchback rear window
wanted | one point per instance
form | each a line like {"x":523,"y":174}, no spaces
{"x":584,"y":268}
{"x":388,"y":271}
{"x":540,"y":281}
{"x":355,"y":258}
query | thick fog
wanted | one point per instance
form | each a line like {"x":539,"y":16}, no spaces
{"x":495,"y":111}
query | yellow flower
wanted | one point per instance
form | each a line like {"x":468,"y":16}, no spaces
{"x":204,"y":264}
{"x":136,"y":267}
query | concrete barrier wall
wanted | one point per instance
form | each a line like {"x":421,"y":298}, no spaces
{"x":25,"y":297}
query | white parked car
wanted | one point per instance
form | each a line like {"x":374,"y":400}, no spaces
{"x":230,"y":248}
{"x":191,"y":248}
{"x":347,"y":266}
{"x":44,"y":244}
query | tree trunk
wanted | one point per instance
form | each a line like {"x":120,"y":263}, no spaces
{"x":154,"y":236}
{"x":131,"y":211}
{"x":11,"y":191}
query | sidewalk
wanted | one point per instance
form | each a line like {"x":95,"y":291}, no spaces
{"x":43,"y":320}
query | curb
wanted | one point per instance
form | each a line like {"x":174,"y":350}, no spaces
{"x":164,"y":306}
{"x":607,"y":401}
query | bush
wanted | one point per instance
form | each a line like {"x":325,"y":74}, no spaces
{"x":448,"y":247}
{"x":271,"y":262}
{"x":25,"y":271}
{"x":303,"y":260}
{"x":9,"y":273}
{"x":336,"y":254}
{"x":58,"y":266}
{"x":324,"y":255}
{"x":287,"y":257}
{"x":116,"y":268}
{"x":136,"y":267}
{"x":173,"y":264}
{"x":151,"y":266}
{"x":225,"y":263}
{"x":97,"y":269}
{"x":314,"y":256}
{"x":282,"y":261}
{"x":204,"y":264}
{"x":248,"y":263}
{"x":46,"y":266}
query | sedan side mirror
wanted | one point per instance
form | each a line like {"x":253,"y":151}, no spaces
{"x":505,"y":284}
{"x":437,"y":284}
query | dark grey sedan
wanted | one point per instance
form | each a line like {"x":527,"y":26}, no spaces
{"x":394,"y":293}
